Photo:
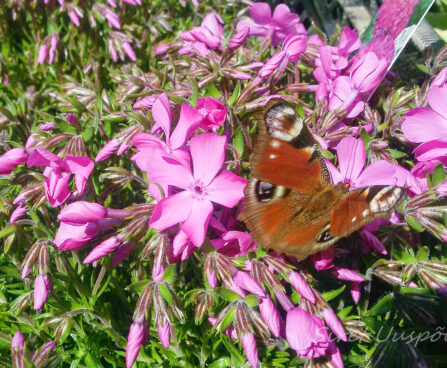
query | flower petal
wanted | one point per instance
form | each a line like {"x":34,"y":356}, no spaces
{"x":423,"y":124}
{"x":196,"y":224}
{"x":261,"y":13}
{"x":161,"y":113}
{"x":226,"y":189}
{"x":188,"y":122}
{"x":431,"y":150}
{"x":171,"y":210}
{"x":351,"y":157}
{"x":382,"y":173}
{"x":436,"y":97}
{"x":208,"y":154}
{"x":167,"y":170}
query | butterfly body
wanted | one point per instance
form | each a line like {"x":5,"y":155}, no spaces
{"x":290,"y":204}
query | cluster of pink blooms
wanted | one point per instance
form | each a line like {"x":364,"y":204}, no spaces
{"x":118,"y":43}
{"x":195,"y":191}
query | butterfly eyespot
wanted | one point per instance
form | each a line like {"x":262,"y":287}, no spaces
{"x":264,"y":191}
{"x":324,"y":237}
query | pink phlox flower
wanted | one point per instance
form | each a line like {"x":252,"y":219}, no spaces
{"x":276,"y":27}
{"x":234,"y":243}
{"x":323,"y":260}
{"x":369,"y":240}
{"x":365,"y":74}
{"x":201,"y":187}
{"x":291,"y":49}
{"x":331,"y":319}
{"x":80,"y":222}
{"x":213,"y":111}
{"x":349,"y":42}
{"x":241,"y":280}
{"x":306,"y":334}
{"x":301,"y":286}
{"x":334,"y":355}
{"x":58,"y":171}
{"x":152,"y":149}
{"x":441,"y":79}
{"x":239,"y":38}
{"x":351,"y":276}
{"x":428,"y":125}
{"x":180,"y":248}
{"x":20,"y":210}
{"x":209,"y":35}
{"x":351,"y":156}
{"x":107,"y":150}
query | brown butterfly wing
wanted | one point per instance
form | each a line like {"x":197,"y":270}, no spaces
{"x":290,"y":205}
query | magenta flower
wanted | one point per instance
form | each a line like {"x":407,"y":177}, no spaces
{"x":202,"y":186}
{"x":276,"y":27}
{"x":324,"y":259}
{"x":209,"y":35}
{"x":42,"y":287}
{"x":213,"y":111}
{"x":234,"y":243}
{"x":123,"y":250}
{"x":58,"y":171}
{"x":365,"y":75}
{"x":428,"y":126}
{"x":79,"y":223}
{"x":351,"y":155}
{"x":152,"y":149}
{"x":441,"y":79}
{"x":349,"y":42}
{"x":18,"y":213}
{"x":251,"y":352}
{"x":43,"y":53}
{"x":11,"y":159}
{"x":306,"y":334}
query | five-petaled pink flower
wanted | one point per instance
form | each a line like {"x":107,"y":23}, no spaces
{"x":351,"y":156}
{"x":201,"y":187}
{"x":429,"y":126}
{"x":277,"y":26}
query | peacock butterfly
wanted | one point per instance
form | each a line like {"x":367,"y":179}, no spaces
{"x":290,"y":204}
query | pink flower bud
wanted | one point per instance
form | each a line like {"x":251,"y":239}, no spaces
{"x":43,"y":53}
{"x":122,"y":252}
{"x":109,"y":148}
{"x":243,"y":280}
{"x":239,"y":38}
{"x":270,"y":315}
{"x":347,"y":274}
{"x":102,"y":249}
{"x":74,"y":18}
{"x":356,"y":291}
{"x":334,"y":323}
{"x":82,"y":212}
{"x":323,"y":260}
{"x":42,"y":287}
{"x":164,"y":332}
{"x":294,"y":46}
{"x":251,"y":351}
{"x":213,"y":112}
{"x":129,"y":51}
{"x":272,"y":64}
{"x":134,"y":342}
{"x":18,"y":341}
{"x":71,"y":118}
{"x":301,"y":286}
{"x":11,"y":159}
{"x":18,"y":212}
